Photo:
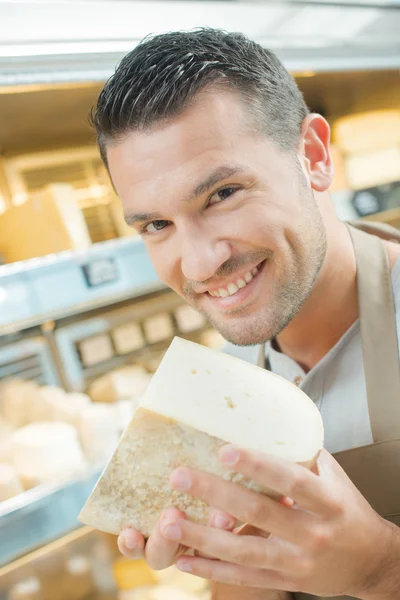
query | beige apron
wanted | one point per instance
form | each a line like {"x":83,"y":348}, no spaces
{"x":374,"y":469}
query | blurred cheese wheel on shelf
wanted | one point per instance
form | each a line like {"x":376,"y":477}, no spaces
{"x":123,"y":412}
{"x":6,"y":430}
{"x":17,"y":398}
{"x":70,"y":407}
{"x":212,"y":339}
{"x":10,"y":484}
{"x":122,"y":384}
{"x":98,"y":432}
{"x":96,"y":349}
{"x":47,"y":452}
{"x":158,"y":328}
{"x":54,"y":404}
{"x":188,"y":319}
{"x":47,"y":398}
{"x":128,"y":338}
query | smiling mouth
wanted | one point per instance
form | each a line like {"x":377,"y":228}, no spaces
{"x":240,"y":283}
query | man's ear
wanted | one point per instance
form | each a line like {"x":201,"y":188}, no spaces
{"x":314,"y":150}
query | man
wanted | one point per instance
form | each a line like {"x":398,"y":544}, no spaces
{"x":224,"y":172}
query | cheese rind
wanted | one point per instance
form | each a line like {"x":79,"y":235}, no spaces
{"x":198,"y":400}
{"x":136,"y":488}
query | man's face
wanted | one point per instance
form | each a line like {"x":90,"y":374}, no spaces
{"x":228,"y":219}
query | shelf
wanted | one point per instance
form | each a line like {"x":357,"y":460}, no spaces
{"x":42,"y":515}
{"x":60,"y":285}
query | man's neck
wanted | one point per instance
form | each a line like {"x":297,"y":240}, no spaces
{"x":330,"y":309}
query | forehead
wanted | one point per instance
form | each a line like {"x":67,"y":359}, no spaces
{"x":214,"y":128}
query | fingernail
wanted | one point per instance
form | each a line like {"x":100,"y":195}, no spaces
{"x":180,"y":479}
{"x":184,"y":566}
{"x":222,"y":522}
{"x":229,"y":455}
{"x":128,"y":542}
{"x":172,"y":532}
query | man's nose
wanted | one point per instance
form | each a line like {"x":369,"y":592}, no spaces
{"x":202,"y":256}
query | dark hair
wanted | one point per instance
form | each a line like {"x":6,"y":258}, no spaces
{"x":163,"y":74}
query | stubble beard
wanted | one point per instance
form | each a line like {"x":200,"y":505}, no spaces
{"x":291,"y":289}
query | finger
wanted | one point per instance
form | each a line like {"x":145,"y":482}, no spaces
{"x":219,"y":520}
{"x":246,"y":505}
{"x":287,"y":479}
{"x":250,"y":551}
{"x":237,"y":575}
{"x":131,"y":543}
{"x":285,"y":501}
{"x":222,"y":520}
{"x":161,"y":553}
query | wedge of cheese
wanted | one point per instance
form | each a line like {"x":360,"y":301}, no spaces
{"x":197,"y":400}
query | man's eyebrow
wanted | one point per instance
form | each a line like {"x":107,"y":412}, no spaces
{"x":221,"y":173}
{"x":132,"y":218}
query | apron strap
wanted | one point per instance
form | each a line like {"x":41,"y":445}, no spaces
{"x":378,"y":330}
{"x":378,"y":335}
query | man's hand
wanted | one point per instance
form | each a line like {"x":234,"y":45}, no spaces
{"x":331,"y":542}
{"x":159,"y":552}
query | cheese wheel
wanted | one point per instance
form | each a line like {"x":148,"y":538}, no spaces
{"x":196,"y":401}
{"x":98,"y":432}
{"x":128,"y":338}
{"x":6,"y":430}
{"x":188,"y":319}
{"x":10,"y":484}
{"x":122,"y":384}
{"x":158,"y":328}
{"x":70,"y":407}
{"x":44,"y":407}
{"x":47,"y":452}
{"x":96,"y":349}
{"x":17,"y":399}
{"x":123,"y":413}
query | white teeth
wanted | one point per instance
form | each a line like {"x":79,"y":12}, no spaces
{"x":232,"y":288}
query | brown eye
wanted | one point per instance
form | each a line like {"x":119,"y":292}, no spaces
{"x":155,"y":226}
{"x":223,"y":194}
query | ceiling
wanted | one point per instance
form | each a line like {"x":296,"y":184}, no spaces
{"x":55,"y":56}
{"x":86,"y":39}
